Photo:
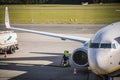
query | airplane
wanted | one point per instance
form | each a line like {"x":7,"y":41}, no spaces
{"x":101,"y":53}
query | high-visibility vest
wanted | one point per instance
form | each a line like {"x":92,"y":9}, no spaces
{"x":66,"y":53}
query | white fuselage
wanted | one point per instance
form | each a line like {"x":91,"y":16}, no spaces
{"x":104,"y":50}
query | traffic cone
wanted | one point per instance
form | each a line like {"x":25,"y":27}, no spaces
{"x":75,"y":71}
{"x":5,"y":56}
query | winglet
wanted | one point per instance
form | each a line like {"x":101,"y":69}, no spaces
{"x":7,"y":24}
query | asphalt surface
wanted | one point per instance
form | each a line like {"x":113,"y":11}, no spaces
{"x":39,"y":57}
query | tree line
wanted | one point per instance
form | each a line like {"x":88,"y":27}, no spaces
{"x":56,"y":1}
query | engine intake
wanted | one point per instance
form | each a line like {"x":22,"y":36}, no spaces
{"x":80,"y":58}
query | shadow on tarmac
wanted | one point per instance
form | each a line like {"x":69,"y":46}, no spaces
{"x":44,"y":72}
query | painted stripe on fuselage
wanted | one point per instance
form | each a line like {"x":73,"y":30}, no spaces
{"x":111,"y":71}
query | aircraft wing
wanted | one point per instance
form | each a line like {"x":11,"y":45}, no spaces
{"x":63,"y":37}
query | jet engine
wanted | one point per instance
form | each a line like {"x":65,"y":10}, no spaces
{"x":79,"y":57}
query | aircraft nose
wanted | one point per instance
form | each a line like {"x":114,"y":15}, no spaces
{"x":97,"y":60}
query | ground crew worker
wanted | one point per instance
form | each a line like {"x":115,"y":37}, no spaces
{"x":66,"y":58}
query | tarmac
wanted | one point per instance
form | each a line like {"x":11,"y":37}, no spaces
{"x":39,"y":57}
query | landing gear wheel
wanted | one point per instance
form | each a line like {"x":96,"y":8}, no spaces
{"x":11,"y":50}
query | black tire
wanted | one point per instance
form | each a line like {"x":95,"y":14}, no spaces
{"x":11,"y":50}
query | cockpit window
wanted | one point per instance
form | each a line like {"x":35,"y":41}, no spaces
{"x":114,"y":46}
{"x":94,"y":45}
{"x":102,"y":45}
{"x":105,"y":45}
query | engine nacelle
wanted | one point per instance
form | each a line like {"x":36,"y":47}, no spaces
{"x":79,"y":57}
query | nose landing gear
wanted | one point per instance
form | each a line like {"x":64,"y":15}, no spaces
{"x":108,"y":78}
